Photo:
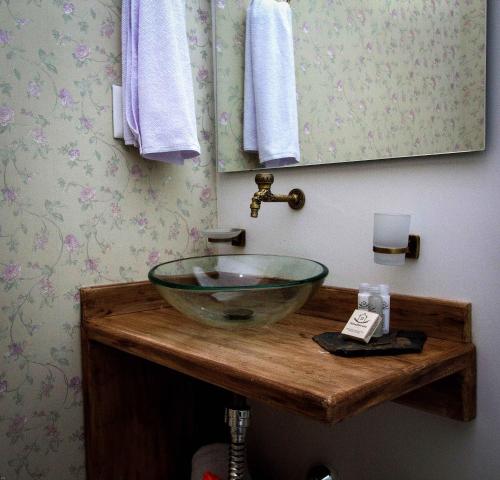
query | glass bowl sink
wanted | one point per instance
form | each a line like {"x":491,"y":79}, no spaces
{"x":238,"y":290}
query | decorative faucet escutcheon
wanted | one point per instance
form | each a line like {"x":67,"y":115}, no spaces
{"x":296,"y":198}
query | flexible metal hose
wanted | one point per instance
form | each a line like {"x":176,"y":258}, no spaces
{"x":237,"y":461}
{"x":238,"y":421}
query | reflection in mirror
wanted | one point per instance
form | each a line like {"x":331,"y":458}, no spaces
{"x":375,"y":79}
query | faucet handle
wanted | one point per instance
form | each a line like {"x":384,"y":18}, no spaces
{"x":264,"y":180}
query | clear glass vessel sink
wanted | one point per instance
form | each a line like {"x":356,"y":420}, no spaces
{"x":238,"y":290}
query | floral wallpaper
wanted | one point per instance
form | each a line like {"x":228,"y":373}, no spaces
{"x":77,"y":208}
{"x":375,"y":79}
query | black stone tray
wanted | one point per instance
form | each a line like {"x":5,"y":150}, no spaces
{"x":395,"y":343}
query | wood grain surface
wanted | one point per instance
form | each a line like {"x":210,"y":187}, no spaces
{"x":280,"y":364}
{"x":446,"y":319}
{"x":142,"y":420}
{"x":438,"y":318}
{"x":156,"y":383}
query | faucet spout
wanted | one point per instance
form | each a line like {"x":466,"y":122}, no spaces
{"x":257,"y":199}
{"x":254,"y":210}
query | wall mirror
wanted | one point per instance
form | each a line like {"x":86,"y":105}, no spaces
{"x":375,"y":79}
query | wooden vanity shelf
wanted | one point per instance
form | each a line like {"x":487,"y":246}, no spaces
{"x":142,"y":417}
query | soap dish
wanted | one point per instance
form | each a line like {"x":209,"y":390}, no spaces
{"x":225,"y":234}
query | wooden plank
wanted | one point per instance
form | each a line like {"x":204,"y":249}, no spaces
{"x":144,"y":421}
{"x":438,"y":318}
{"x":117,"y":298}
{"x":453,"y":396}
{"x":155,"y":417}
{"x":446,"y":319}
{"x":279,"y":364}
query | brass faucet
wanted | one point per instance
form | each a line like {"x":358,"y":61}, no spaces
{"x":295,"y":198}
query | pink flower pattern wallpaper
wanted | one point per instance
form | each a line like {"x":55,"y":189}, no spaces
{"x":375,"y":79}
{"x":77,"y":208}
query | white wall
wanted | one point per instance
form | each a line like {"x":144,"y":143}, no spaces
{"x":455,"y":203}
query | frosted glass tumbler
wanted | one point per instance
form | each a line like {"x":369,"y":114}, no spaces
{"x":390,"y":231}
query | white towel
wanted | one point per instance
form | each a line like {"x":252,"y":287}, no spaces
{"x":270,"y":104}
{"x":157,"y":79}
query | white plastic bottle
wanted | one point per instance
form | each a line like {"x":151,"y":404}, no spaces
{"x":376,"y":304}
{"x":363,"y":296}
{"x":386,"y":298}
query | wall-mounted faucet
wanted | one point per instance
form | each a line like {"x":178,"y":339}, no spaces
{"x":295,"y":198}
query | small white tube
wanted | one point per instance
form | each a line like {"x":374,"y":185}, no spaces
{"x":363,"y":296}
{"x":386,"y":298}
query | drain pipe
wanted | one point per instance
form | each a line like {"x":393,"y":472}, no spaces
{"x":238,"y":420}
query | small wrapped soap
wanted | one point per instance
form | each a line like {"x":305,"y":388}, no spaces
{"x":362,"y":325}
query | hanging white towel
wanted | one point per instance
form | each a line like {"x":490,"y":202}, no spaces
{"x":270,"y":120}
{"x":158,"y":85}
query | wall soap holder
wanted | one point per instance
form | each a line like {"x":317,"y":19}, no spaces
{"x":237,"y":236}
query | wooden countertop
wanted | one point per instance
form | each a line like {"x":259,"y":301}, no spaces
{"x":281,"y":364}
